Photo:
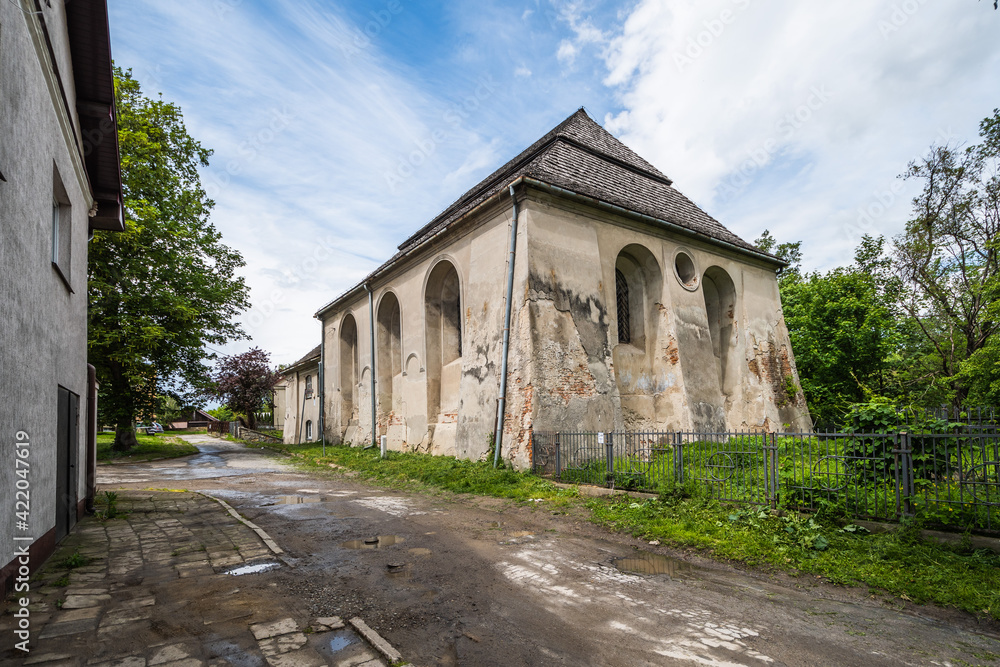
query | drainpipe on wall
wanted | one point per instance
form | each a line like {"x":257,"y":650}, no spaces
{"x":302,"y":417}
{"x":322,"y":378}
{"x":371,"y":327}
{"x":91,"y":438}
{"x":501,"y":405}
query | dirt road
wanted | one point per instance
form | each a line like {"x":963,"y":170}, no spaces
{"x":456,"y":580}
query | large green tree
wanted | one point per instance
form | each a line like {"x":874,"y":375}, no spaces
{"x":949,"y":257}
{"x":166,"y":287}
{"x":844,"y":329}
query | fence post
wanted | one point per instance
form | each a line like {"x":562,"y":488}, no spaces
{"x":558,"y":462}
{"x":771,"y":469}
{"x":906,"y":468}
{"x":609,"y":445}
{"x":678,"y":457}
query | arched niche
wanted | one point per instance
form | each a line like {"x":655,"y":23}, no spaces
{"x":443,"y":331}
{"x":348,"y":368}
{"x":388,"y":338}
{"x":720,"y":306}
{"x":638,"y":287}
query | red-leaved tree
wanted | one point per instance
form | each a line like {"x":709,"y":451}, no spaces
{"x":244,"y":382}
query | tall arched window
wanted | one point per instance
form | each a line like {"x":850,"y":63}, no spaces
{"x":720,"y":306}
{"x":621,"y":301}
{"x":309,"y":386}
{"x":348,"y":368}
{"x":634,"y":269}
{"x":390,"y":351}
{"x":443,"y":330}
{"x":309,"y":430}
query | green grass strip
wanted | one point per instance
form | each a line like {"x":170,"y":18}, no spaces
{"x":150,"y":447}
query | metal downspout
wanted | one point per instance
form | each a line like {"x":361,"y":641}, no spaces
{"x":91,"y":438}
{"x":322,"y":379}
{"x":302,"y":417}
{"x":502,"y":404}
{"x":371,"y":327}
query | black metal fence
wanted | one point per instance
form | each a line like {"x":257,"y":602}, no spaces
{"x":952,"y":479}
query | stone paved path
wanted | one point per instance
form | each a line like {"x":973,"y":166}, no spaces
{"x":154,"y":587}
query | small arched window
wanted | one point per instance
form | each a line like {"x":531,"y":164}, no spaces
{"x":309,"y":386}
{"x":621,"y":300}
{"x":309,"y":430}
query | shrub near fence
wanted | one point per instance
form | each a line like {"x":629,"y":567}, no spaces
{"x":952,"y":479}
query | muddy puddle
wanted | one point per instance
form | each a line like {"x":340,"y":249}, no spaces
{"x":252,"y":569}
{"x":650,"y":563}
{"x":379,"y":542}
{"x":420,"y":551}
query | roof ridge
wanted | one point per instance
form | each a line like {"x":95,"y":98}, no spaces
{"x":628,"y":159}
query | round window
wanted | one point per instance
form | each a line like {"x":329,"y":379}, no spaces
{"x":685,"y":270}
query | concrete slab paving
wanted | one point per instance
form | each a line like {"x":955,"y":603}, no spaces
{"x":153,"y":590}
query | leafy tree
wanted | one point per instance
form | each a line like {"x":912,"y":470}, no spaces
{"x":222,"y":413}
{"x":844,"y":331}
{"x":166,"y":287}
{"x":244,"y":381}
{"x":787,"y":252}
{"x":948,"y":256}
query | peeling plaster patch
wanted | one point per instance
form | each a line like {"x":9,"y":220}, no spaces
{"x":388,"y":504}
{"x":671,"y":352}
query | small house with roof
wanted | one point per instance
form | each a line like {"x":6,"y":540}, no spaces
{"x":630,"y":308}
{"x":296,"y":400}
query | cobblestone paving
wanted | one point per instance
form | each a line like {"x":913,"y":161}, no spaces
{"x":154,"y":587}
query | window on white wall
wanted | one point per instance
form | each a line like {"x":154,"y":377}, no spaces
{"x":61,"y":230}
{"x":309,"y":430}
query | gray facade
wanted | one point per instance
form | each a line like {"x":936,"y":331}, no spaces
{"x":61,"y":179}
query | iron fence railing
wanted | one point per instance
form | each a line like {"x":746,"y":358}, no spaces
{"x":952,"y":479}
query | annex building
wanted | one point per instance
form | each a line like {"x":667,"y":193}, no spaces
{"x":630,"y":308}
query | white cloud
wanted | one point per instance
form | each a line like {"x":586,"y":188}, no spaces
{"x":522,"y":71}
{"x":305,"y":141}
{"x":567,"y":52}
{"x":794,"y":116}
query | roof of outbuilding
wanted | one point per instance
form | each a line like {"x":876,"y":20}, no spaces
{"x":581,"y":156}
{"x":312,"y":355}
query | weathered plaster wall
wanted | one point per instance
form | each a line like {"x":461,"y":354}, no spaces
{"x":444,"y":407}
{"x":680,"y":370}
{"x":43,"y":339}
{"x":296,"y":408}
{"x":707,"y":358}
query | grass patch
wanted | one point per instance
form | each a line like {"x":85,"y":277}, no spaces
{"x":442,"y":472}
{"x":74,"y":560}
{"x":150,"y":447}
{"x":899,"y":562}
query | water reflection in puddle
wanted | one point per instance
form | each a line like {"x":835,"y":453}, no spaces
{"x":338,"y":643}
{"x":299,"y":500}
{"x":374,"y":542}
{"x":252,"y":569}
{"x":650,"y":563}
{"x":420,"y":551}
{"x":330,"y":644}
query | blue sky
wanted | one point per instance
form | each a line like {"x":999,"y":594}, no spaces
{"x":339,"y":128}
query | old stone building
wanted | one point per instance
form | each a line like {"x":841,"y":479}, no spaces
{"x":631,"y":308}
{"x":60,"y":179}
{"x":296,"y":400}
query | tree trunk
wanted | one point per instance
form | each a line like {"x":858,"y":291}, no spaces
{"x":124,"y":438}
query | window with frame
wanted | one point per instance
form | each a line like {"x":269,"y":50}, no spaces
{"x":62,"y":237}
